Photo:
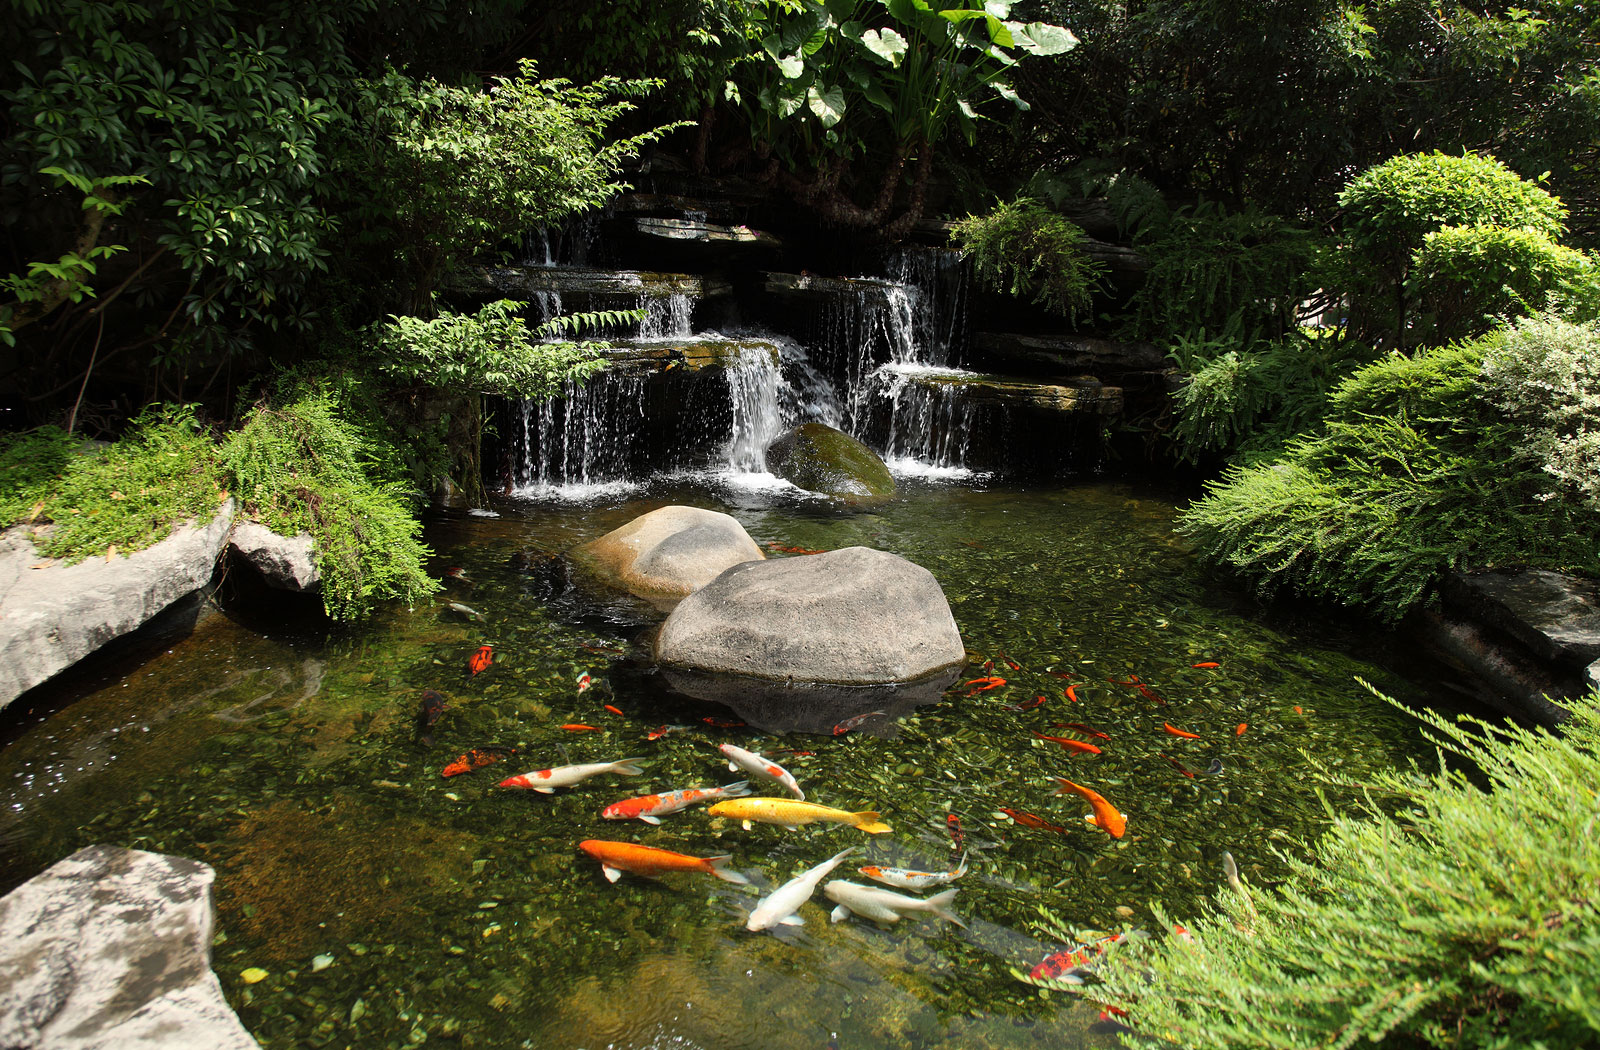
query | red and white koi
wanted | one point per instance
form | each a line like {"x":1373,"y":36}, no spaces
{"x":907,"y":879}
{"x":761,"y":768}
{"x":651,"y":808}
{"x":545,"y":780}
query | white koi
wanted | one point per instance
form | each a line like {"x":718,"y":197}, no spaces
{"x":869,"y":902}
{"x":778,"y":907}
{"x":761,"y":768}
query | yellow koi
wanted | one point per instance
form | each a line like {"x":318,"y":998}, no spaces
{"x":791,"y":813}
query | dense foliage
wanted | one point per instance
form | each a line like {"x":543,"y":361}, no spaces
{"x":1417,"y":467}
{"x":1450,"y":909}
{"x":1028,"y":251}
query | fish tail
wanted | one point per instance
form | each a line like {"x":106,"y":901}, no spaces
{"x":719,"y":868}
{"x":737,"y":789}
{"x":940,"y":903}
{"x":629,"y":766}
{"x":868,"y":821}
{"x":961,"y":869}
{"x":1067,"y":787}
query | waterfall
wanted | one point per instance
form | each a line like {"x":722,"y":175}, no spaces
{"x":755,"y":383}
{"x":666,"y":318}
{"x":583,"y":442}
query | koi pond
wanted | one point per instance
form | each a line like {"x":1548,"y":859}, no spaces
{"x":366,"y":901}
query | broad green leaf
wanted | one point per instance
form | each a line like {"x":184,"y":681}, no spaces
{"x":1007,"y":92}
{"x":960,"y":14}
{"x":730,"y":91}
{"x":792,"y":67}
{"x":789,"y":105}
{"x":827,"y":105}
{"x":999,"y":33}
{"x":886,"y":44}
{"x":966,"y":108}
{"x":1040,"y":38}
{"x":998,"y":8}
{"x":772,"y":46}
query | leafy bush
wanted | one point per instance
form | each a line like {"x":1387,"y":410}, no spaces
{"x":300,"y":468}
{"x":1412,"y":473}
{"x":29,"y":463}
{"x":1023,"y":249}
{"x":1545,"y":375}
{"x":1468,"y":919}
{"x":130,"y":494}
{"x":1473,"y":277}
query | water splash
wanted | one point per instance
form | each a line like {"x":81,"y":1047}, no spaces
{"x":666,"y":318}
{"x":590,"y":435}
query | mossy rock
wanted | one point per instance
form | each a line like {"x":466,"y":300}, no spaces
{"x":818,"y":458}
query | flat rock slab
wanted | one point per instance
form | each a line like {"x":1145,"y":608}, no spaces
{"x":111,"y":948}
{"x":1071,"y":354}
{"x":1079,"y":395}
{"x":287,"y":563}
{"x":668,"y":553}
{"x":52,"y":617}
{"x":854,"y":616}
{"x":1557,"y":617}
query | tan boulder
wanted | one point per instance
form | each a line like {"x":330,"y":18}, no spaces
{"x":668,"y":553}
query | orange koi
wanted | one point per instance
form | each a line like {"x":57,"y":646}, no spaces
{"x":1239,"y":730}
{"x":1030,"y":820}
{"x":1069,"y":744}
{"x":722,"y":723}
{"x":1037,"y":701}
{"x":792,"y":550}
{"x":1207,"y":665}
{"x":476,"y":759}
{"x":1061,"y":674}
{"x":1175,"y":731}
{"x":1144,"y":690}
{"x":1105,"y":815}
{"x":660,"y":731}
{"x":984,"y":684}
{"x":480,"y":660}
{"x":1072,"y":693}
{"x":579,"y":727}
{"x":1010,"y":662}
{"x":618,"y":857}
{"x":1085,"y":729}
{"x":1297,"y":710}
{"x":613,"y":710}
{"x":1175,"y":764}
{"x":958,"y":838}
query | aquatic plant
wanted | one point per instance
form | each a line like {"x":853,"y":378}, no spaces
{"x":1455,"y":908}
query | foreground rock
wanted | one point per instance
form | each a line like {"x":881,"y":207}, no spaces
{"x":849,"y":617}
{"x":52,"y":617}
{"x":668,"y":553}
{"x":286,"y":563}
{"x":818,"y":458}
{"x":111,"y":948}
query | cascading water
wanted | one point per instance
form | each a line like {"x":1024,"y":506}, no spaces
{"x":666,"y":317}
{"x":585,"y":441}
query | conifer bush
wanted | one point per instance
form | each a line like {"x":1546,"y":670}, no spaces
{"x":1454,"y":908}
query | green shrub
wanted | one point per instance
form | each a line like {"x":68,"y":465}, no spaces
{"x":1024,"y":249}
{"x":300,"y":468}
{"x":130,"y":494}
{"x":29,"y":463}
{"x":1471,"y":278}
{"x":1466,"y":919}
{"x":1545,"y":375}
{"x":1413,"y":472}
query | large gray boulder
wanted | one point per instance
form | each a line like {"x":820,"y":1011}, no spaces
{"x":668,"y":553}
{"x":111,"y":948}
{"x":53,"y":616}
{"x":287,"y":563}
{"x":852,"y":617}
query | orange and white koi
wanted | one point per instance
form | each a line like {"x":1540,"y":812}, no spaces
{"x":1069,"y":744}
{"x":651,"y":808}
{"x":1105,"y":815}
{"x":584,"y":682}
{"x":761,"y":768}
{"x":792,"y":813}
{"x":545,"y":780}
{"x":1071,"y":964}
{"x":618,"y":857}
{"x":660,"y":731}
{"x":907,"y":879}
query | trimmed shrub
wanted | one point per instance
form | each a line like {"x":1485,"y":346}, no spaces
{"x":1471,"y":278}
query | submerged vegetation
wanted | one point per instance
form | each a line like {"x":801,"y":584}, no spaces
{"x":1453,"y":909}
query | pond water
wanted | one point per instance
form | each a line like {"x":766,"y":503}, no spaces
{"x":391,"y":907}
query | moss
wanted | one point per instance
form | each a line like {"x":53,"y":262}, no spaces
{"x":819,"y":458}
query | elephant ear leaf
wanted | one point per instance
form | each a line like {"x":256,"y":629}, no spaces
{"x":886,"y":44}
{"x":1041,"y":38}
{"x":827,"y":104}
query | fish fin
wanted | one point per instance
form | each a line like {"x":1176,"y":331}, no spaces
{"x":748,"y":825}
{"x":737,"y":789}
{"x":800,"y":796}
{"x":789,"y":827}
{"x":840,"y":913}
{"x":940,"y":903}
{"x":791,"y":920}
{"x":719,"y":868}
{"x":649,"y":819}
{"x":733,"y":767}
{"x":629,"y":766}
{"x":867,"y":820}
{"x":545,"y":791}
{"x":612,"y":874}
{"x":1067,"y":787}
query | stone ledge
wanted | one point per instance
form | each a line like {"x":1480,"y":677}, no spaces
{"x":52,"y":617}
